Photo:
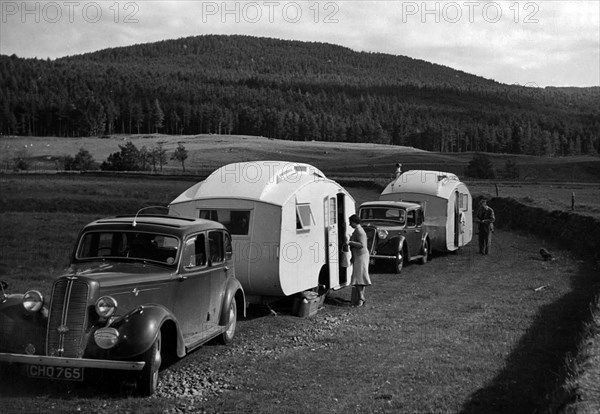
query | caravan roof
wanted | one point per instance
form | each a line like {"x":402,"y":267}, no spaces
{"x":435,"y":183}
{"x":272,"y":182}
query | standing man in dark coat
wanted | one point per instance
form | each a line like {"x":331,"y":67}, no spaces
{"x":486,"y":218}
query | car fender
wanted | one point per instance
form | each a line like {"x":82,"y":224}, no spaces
{"x":389,"y":246}
{"x":401,"y":242}
{"x":20,"y":329}
{"x":233,"y":288}
{"x":425,"y":238}
{"x":139,"y":329}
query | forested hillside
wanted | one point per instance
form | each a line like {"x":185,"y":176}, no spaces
{"x":290,"y":90}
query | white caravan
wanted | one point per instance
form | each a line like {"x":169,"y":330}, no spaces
{"x":287,"y":222}
{"x":446,"y":201}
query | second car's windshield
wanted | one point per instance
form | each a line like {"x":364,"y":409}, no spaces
{"x":384,"y":214}
{"x":128,"y":244}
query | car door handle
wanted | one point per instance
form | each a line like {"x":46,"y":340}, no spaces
{"x":226,"y":268}
{"x":182,"y":278}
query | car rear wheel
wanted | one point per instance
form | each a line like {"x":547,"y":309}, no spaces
{"x":227,"y":336}
{"x":148,"y":380}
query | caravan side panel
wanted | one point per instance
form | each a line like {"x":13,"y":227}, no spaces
{"x":254,"y":250}
{"x":436,"y":215}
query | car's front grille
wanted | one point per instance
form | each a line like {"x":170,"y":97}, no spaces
{"x":67,"y":319}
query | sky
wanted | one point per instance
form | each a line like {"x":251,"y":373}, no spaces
{"x":532,"y":43}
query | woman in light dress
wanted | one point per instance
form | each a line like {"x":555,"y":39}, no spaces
{"x":360,"y":260}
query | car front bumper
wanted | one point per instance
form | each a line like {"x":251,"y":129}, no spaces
{"x":71,"y":362}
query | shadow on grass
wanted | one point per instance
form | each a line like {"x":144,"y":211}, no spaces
{"x":532,"y":378}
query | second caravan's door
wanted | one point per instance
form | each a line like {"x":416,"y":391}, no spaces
{"x":456,"y":219}
{"x":331,"y":240}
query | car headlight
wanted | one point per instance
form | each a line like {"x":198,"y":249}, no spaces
{"x":33,"y":301}
{"x":106,"y":306}
{"x":382,"y":234}
{"x":106,"y":338}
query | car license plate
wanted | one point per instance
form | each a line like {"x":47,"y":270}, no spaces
{"x":57,"y":373}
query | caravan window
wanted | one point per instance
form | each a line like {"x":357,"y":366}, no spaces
{"x":464,"y":202}
{"x":332,"y":211}
{"x":236,"y":221}
{"x":304,"y":217}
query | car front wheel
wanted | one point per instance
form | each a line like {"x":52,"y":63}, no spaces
{"x":148,"y":381}
{"x":425,"y":252}
{"x":399,"y":262}
{"x":227,"y":336}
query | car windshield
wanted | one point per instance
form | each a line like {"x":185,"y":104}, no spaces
{"x":128,"y":244}
{"x":388,"y":214}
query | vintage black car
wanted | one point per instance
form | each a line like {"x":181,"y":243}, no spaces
{"x":138,"y":290}
{"x":395,"y":232}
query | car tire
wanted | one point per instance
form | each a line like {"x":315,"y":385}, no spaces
{"x":229,"y":332}
{"x":399,"y":261}
{"x":148,"y":380}
{"x":425,"y":252}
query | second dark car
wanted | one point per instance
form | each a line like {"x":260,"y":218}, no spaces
{"x":395,"y":232}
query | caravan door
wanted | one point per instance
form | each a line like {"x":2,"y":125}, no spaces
{"x":331,"y":240}
{"x":456,"y":219}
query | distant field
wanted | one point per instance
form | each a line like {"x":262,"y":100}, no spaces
{"x":549,"y":196}
{"x":208,"y":152}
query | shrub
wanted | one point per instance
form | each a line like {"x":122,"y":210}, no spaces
{"x":130,"y":158}
{"x":481,"y":167}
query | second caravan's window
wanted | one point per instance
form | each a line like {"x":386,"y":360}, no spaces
{"x":236,"y":221}
{"x":464,"y":202}
{"x":304,"y":217}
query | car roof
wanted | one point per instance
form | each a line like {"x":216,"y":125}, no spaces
{"x":402,"y":204}
{"x":155,"y":223}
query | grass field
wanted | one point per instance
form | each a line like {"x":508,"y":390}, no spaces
{"x":208,"y":152}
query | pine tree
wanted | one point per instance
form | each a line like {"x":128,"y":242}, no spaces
{"x":157,"y":116}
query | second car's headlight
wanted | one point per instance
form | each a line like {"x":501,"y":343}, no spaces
{"x":33,"y":301}
{"x":106,"y":338}
{"x":106,"y":306}
{"x":382,"y":234}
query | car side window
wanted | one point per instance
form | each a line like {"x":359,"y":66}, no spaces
{"x":228,"y":247}
{"x":194,"y":253}
{"x":410,"y":218}
{"x":420,"y":218}
{"x":216,"y":247}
